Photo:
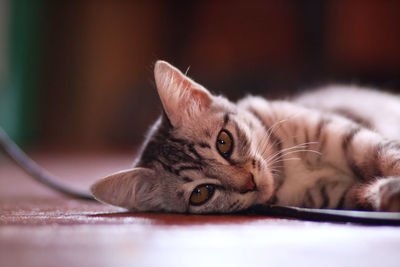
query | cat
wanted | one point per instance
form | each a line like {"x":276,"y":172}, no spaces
{"x":337,"y":147}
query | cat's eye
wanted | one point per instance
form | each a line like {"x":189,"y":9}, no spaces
{"x":224,"y":143}
{"x":201,"y":194}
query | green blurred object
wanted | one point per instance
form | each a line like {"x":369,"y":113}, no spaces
{"x":19,"y":84}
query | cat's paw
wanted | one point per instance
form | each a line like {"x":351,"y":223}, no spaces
{"x":390,"y":195}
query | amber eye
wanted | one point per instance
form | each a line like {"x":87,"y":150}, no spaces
{"x":201,"y":194}
{"x":224,"y":143}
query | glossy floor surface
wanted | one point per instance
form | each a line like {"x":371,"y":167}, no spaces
{"x":41,"y":228}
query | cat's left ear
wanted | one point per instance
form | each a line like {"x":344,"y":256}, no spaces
{"x":182,"y":98}
{"x":134,"y":189}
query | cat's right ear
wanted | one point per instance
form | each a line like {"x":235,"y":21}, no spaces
{"x":182,"y":98}
{"x":134,"y":189}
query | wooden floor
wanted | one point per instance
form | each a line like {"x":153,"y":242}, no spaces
{"x":40,"y":228}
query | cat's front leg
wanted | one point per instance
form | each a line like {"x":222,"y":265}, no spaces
{"x":376,"y":162}
{"x":382,"y":194}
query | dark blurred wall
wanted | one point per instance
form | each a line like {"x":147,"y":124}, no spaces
{"x":97,"y":90}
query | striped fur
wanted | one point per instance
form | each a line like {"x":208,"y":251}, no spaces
{"x":315,"y":151}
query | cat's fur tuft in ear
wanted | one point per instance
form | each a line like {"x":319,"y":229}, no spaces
{"x":179,"y":94}
{"x":134,"y":189}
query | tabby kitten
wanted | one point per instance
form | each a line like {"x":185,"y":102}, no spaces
{"x":333,"y":148}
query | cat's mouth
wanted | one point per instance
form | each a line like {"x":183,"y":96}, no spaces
{"x":250,"y":186}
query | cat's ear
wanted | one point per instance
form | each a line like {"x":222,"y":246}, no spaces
{"x":182,"y":98}
{"x":134,"y":189}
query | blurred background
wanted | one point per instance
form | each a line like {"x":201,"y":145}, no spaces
{"x":77,"y":75}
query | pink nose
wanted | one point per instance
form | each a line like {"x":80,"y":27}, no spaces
{"x":250,"y":186}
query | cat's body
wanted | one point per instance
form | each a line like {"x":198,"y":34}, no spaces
{"x":327,"y":169}
{"x":332,"y":148}
{"x":336,"y":147}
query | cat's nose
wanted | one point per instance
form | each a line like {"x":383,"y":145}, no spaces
{"x":250,"y":185}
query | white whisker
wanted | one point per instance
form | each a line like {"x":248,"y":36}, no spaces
{"x":289,"y":149}
{"x":187,"y":70}
{"x":282,"y":160}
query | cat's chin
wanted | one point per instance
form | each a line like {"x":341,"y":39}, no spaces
{"x":263,"y":198}
{"x":265,"y":187}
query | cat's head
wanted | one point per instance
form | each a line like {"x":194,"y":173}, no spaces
{"x":204,"y":154}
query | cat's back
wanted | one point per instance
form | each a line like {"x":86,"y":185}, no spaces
{"x":374,"y":109}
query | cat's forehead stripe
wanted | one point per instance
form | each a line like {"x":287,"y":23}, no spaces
{"x":226,"y":119}
{"x":177,"y":155}
{"x":187,"y":179}
{"x":185,"y":168}
{"x":204,"y":145}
